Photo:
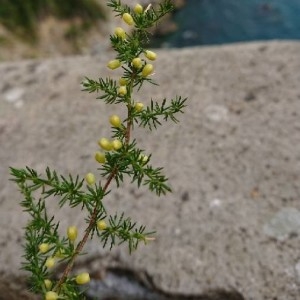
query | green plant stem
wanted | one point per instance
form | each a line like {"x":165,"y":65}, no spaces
{"x":129,"y":107}
{"x":43,"y":242}
{"x":88,"y":230}
{"x":93,"y":219}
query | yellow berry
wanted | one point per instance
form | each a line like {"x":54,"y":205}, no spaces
{"x":100,"y":157}
{"x":72,"y":233}
{"x":117,"y":144}
{"x":143,"y":158}
{"x":50,"y":262}
{"x":60,"y":253}
{"x":115,"y":121}
{"x":123,"y":81}
{"x":122,"y":90}
{"x":48,"y":284}
{"x":44,"y":247}
{"x":114,"y":64}
{"x":90,"y":178}
{"x":127,"y":18}
{"x":147,"y":70}
{"x":150,"y":55}
{"x":51,"y":295}
{"x":137,"y":63}
{"x":105,"y":144}
{"x":138,"y":9}
{"x":120,"y":32}
{"x":101,"y":225}
{"x":83,"y":278}
{"x":139,"y":106}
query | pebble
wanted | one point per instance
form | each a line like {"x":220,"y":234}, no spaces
{"x":14,"y":96}
{"x":283,"y":224}
{"x":216,"y":113}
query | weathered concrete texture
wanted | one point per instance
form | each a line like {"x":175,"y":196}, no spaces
{"x":233,"y":162}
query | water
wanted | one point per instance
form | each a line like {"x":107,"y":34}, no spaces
{"x":208,"y":22}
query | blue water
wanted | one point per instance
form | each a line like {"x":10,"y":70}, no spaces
{"x":208,"y":22}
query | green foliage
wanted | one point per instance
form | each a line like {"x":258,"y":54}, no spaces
{"x":44,"y":247}
{"x":22,"y":17}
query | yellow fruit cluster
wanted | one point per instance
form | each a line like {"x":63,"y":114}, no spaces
{"x":106,"y":145}
{"x":72,"y":233}
{"x":50,"y":261}
{"x":137,"y":63}
{"x":82,"y":278}
{"x":127,"y":18}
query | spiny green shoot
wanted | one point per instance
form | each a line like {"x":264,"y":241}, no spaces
{"x":116,"y":158}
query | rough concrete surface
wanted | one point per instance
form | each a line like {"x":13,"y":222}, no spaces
{"x":233,"y":163}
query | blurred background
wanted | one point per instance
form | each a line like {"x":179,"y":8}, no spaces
{"x":210,"y":22}
{"x":43,"y":28}
{"x":47,"y":28}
